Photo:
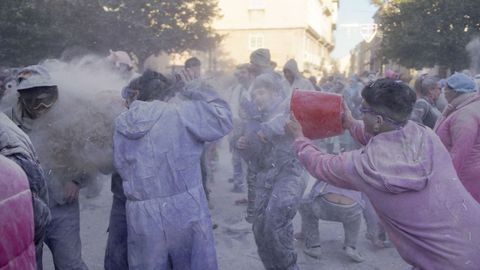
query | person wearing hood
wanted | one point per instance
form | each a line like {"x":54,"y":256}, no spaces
{"x":279,"y":178}
{"x":459,"y":130}
{"x":428,"y":91}
{"x":157,"y":150}
{"x":294,"y":79}
{"x":37,"y":96}
{"x":409,"y":177}
{"x":16,"y":146}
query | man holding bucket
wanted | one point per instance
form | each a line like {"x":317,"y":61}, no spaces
{"x":408,"y":176}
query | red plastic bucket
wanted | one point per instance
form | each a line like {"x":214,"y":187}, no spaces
{"x":319,"y":113}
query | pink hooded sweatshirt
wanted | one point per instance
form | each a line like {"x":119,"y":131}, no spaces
{"x":459,"y":130}
{"x":409,"y":177}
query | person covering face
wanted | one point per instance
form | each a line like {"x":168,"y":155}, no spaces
{"x":157,"y":150}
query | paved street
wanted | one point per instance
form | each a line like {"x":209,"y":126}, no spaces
{"x":235,"y":244}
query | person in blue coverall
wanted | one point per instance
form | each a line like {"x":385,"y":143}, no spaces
{"x":157,"y":149}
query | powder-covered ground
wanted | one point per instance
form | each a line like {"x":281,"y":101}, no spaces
{"x":236,"y":248}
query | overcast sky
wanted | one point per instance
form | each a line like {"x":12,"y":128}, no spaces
{"x":351,"y":12}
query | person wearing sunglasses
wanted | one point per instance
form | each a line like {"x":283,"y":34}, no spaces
{"x":37,"y":96}
{"x":16,"y":146}
{"x":408,"y":176}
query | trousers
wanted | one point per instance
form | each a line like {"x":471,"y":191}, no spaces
{"x":313,"y":209}
{"x":277,"y":197}
{"x":63,"y":237}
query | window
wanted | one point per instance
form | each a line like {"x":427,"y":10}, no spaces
{"x":255,"y":41}
{"x":256,"y":4}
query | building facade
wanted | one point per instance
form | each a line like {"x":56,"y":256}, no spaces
{"x":300,"y":29}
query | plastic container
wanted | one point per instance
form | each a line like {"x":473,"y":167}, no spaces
{"x":319,"y":113}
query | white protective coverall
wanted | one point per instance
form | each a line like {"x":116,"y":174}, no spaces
{"x":157,"y":149}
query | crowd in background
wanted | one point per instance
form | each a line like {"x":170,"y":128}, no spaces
{"x":408,"y":162}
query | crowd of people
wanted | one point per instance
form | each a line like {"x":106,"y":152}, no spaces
{"x":408,"y":161}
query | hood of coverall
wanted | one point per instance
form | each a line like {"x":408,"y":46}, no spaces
{"x":140,"y":118}
{"x":399,"y":161}
{"x":293,"y":67}
{"x":32,"y":77}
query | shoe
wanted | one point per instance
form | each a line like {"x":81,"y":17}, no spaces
{"x":241,"y":226}
{"x":354,"y":255}
{"x":241,"y":201}
{"x":377,"y":242}
{"x":314,"y":252}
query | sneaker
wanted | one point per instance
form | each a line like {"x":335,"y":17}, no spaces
{"x":377,"y":242}
{"x":314,"y":252}
{"x":354,"y":255}
{"x":241,"y":226}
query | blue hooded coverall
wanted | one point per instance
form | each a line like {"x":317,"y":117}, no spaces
{"x":157,"y":149}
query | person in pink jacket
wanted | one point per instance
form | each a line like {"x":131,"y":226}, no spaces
{"x":409,"y":177}
{"x":459,"y":130}
{"x":17,"y":247}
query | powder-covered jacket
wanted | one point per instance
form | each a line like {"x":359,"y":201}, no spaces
{"x":411,"y":182}
{"x":459,"y":130}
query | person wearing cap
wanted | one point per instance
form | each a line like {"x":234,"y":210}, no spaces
{"x":294,"y":79}
{"x":16,"y":145}
{"x":260,"y":62}
{"x":408,"y":175}
{"x":459,"y":130}
{"x":37,"y":96}
{"x":428,"y":91}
